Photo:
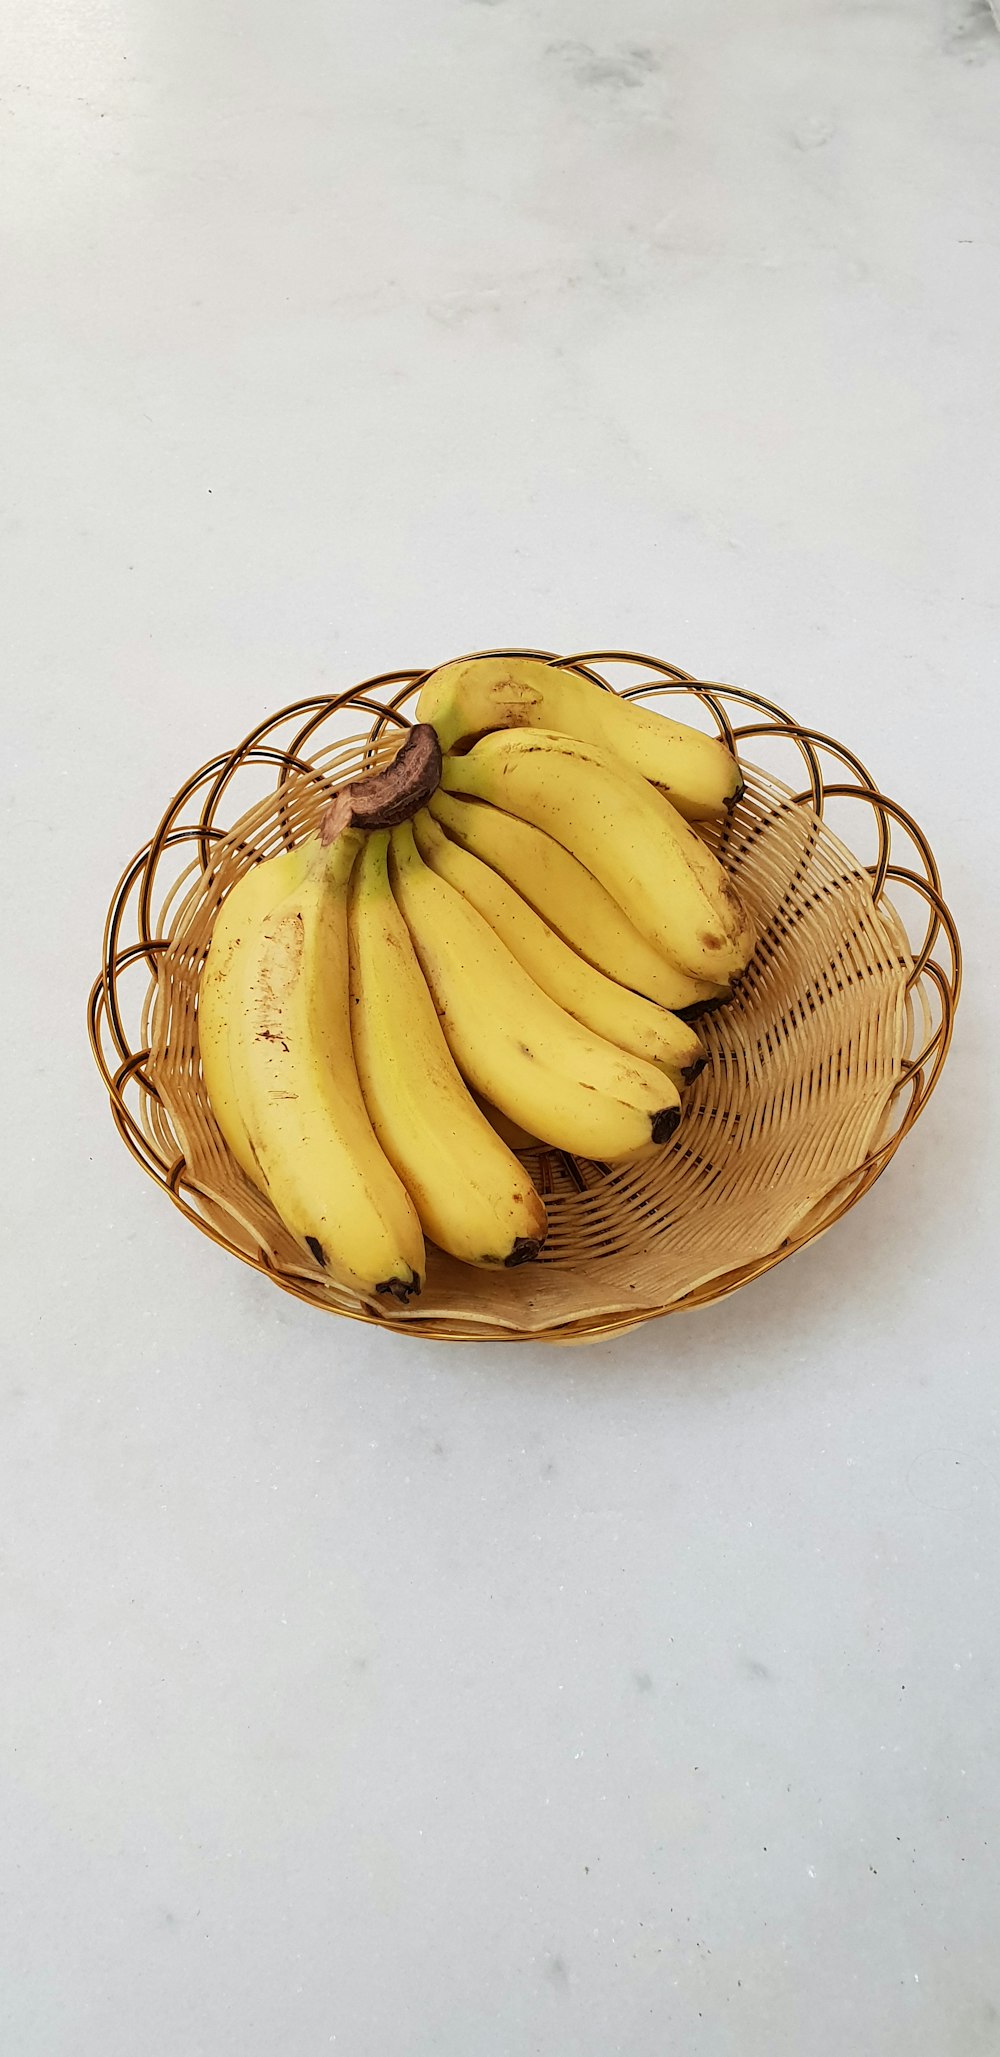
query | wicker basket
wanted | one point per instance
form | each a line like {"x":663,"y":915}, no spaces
{"x":817,"y":1068}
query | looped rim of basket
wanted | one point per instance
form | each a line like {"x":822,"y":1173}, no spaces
{"x":135,"y":935}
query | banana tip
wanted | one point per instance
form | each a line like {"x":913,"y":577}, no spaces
{"x":401,"y":1289}
{"x":700,"y":1007}
{"x":665,"y":1123}
{"x":525,"y":1250}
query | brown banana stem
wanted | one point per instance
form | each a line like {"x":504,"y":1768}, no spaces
{"x":386,"y":798}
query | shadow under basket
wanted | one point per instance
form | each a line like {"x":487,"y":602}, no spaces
{"x":817,"y":1067}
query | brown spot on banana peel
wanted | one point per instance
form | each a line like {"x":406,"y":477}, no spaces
{"x":401,"y":1289}
{"x":728,"y":893}
{"x":388,"y":797}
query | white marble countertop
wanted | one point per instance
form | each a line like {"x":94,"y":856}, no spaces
{"x":371,"y":1696}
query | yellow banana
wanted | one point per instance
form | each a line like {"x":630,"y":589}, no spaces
{"x":668,"y":882}
{"x":511,"y":1041}
{"x":610,"y":1010}
{"x":510,"y":1132}
{"x":255,"y":895}
{"x":473,"y":1197}
{"x":570,"y":899}
{"x":313,"y":1148}
{"x":476,"y":694}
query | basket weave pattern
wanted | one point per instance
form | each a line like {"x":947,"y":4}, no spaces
{"x":817,"y":1068}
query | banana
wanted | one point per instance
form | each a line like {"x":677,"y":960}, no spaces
{"x":610,"y":1010}
{"x":474,"y":695}
{"x":511,"y":1041}
{"x":510,"y":1132}
{"x":312,"y":1145}
{"x":660,"y":872}
{"x":473,"y":1197}
{"x":255,"y":895}
{"x":570,"y":899}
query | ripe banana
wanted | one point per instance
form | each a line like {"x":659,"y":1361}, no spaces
{"x":296,"y":1088}
{"x":473,"y":1197}
{"x":570,"y":899}
{"x":668,"y":882}
{"x":510,"y":1132}
{"x":254,"y":896}
{"x":511,"y":1041}
{"x":474,"y":695}
{"x":609,"y":1009}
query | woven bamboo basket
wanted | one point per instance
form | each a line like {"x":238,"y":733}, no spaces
{"x":818,"y":1066}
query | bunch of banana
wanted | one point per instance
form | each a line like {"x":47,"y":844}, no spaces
{"x":511,"y":1040}
{"x":472,"y":1195}
{"x":610,"y":1010}
{"x":327,"y":1069}
{"x":572,"y":901}
{"x":279,"y":1065}
{"x":474,"y":695}
{"x":274,"y":1026}
{"x":478,"y":954}
{"x":647,"y":856}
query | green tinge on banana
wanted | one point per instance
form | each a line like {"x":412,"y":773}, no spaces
{"x":651,"y":861}
{"x":568,"y":897}
{"x":473,"y":1197}
{"x":472,"y":696}
{"x":513,"y":1043}
{"x":622,"y":1017}
{"x":295,"y":1086}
